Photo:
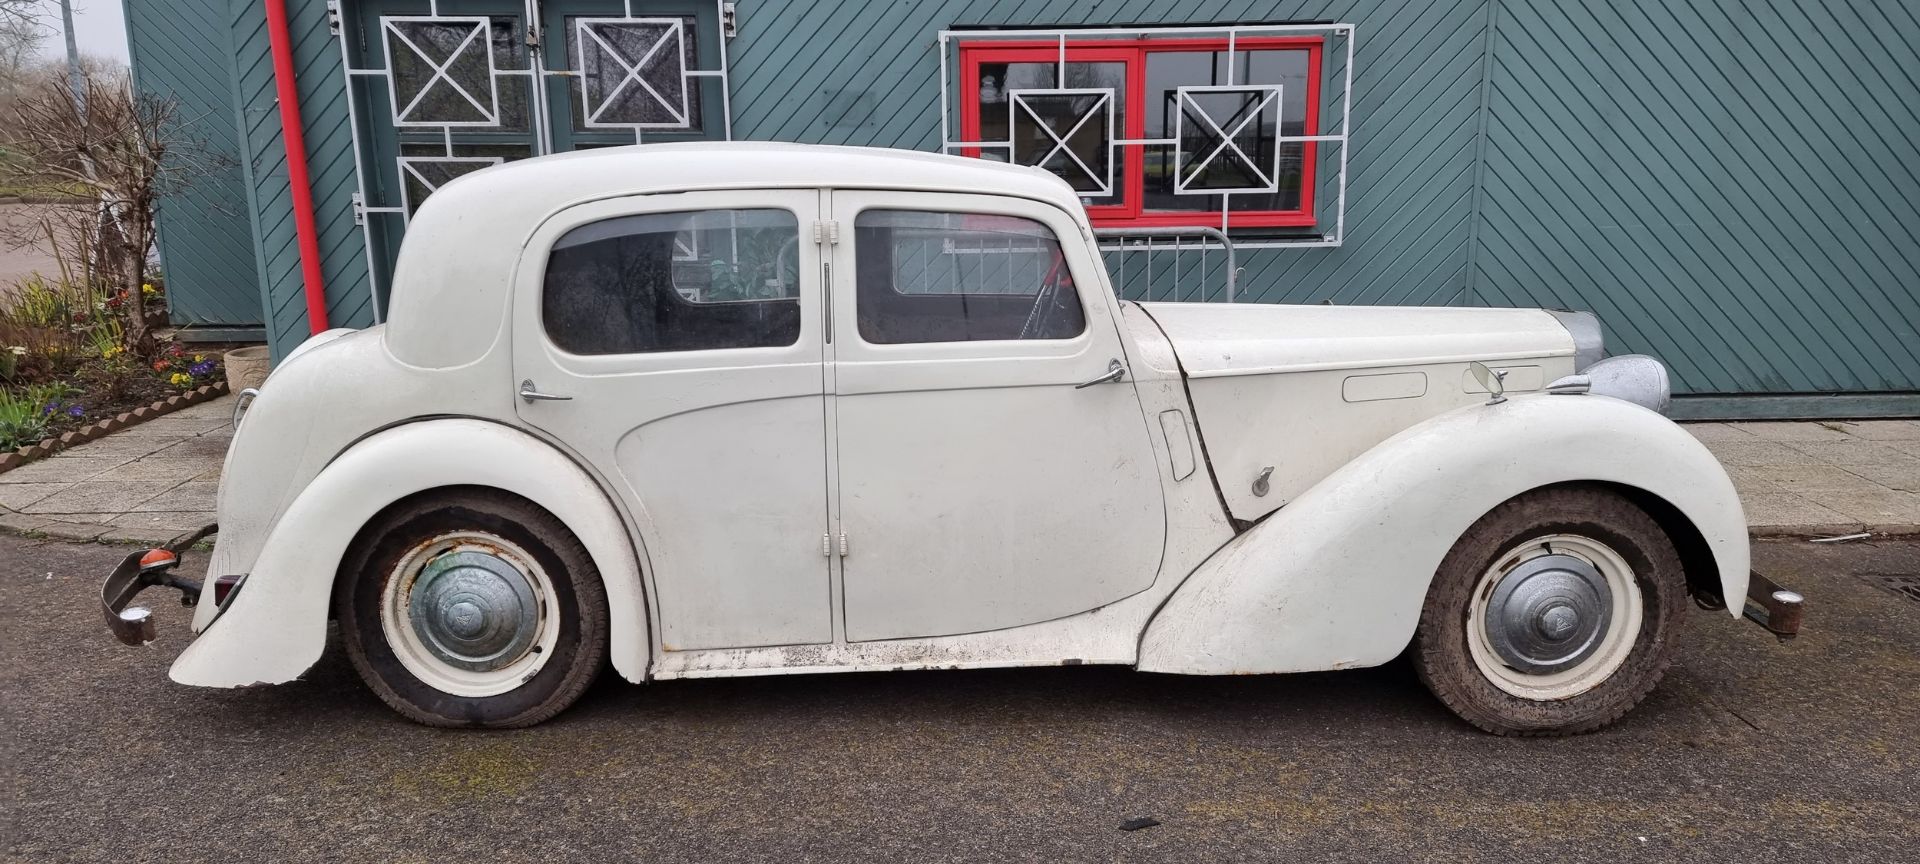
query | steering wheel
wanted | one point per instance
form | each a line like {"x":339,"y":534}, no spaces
{"x":1046,"y":302}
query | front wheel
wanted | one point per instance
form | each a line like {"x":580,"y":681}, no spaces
{"x":1555,"y":614}
{"x":472,"y":608}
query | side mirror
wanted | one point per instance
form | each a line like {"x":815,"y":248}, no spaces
{"x":1494,"y":382}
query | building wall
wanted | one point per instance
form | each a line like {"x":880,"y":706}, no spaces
{"x":1735,"y":195}
{"x":205,"y":229}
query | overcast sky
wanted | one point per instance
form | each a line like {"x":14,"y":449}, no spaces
{"x":100,"y":26}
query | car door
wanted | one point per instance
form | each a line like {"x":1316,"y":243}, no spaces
{"x":980,"y":486}
{"x":673,"y":342}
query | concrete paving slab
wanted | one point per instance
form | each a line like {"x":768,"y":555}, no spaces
{"x":176,"y":425}
{"x":118,"y":445}
{"x":18,"y":496}
{"x":213,"y":448}
{"x":1718,"y":432}
{"x":1809,"y":479}
{"x":1792,"y":431}
{"x":1884,"y":430}
{"x":156,"y":468}
{"x":1877,"y":508}
{"x":176,"y":521}
{"x":1775,"y":511}
{"x":63,"y":468}
{"x":108,"y":497}
{"x":1757,"y":454}
{"x":192,"y":495}
{"x":1902,"y":478}
{"x":1853,"y":452}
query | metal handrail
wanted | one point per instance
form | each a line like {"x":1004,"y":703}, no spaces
{"x":1118,"y":241}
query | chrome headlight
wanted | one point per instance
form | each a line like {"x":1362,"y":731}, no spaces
{"x":1634,"y":378}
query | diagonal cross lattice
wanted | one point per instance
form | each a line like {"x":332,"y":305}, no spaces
{"x":1270,"y":95}
{"x":631,"y":72}
{"x":1099,"y":107}
{"x":440,"y":69}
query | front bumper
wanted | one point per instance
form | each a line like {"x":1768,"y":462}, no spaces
{"x":133,"y":625}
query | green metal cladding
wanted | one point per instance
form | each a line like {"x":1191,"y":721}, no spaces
{"x":1733,"y":187}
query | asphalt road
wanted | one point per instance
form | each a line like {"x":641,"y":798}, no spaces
{"x":1751,"y":751}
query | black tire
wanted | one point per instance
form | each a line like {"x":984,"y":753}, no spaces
{"x":1444,"y":660}
{"x":579,"y":605}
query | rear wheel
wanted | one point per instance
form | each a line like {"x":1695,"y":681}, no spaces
{"x":1555,"y":614}
{"x":472,"y":608}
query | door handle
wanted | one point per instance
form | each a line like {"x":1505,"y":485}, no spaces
{"x":531,"y":395}
{"x":1115,"y":371}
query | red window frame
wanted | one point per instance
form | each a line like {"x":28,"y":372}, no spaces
{"x":1134,"y":52}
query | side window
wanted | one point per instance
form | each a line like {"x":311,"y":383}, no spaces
{"x":923,"y":276}
{"x":675,"y":282}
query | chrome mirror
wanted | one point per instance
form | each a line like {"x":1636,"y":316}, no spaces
{"x":1494,"y":382}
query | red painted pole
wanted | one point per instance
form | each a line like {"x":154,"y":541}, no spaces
{"x":292,"y":133}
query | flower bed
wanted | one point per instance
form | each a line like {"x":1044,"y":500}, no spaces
{"x":65,"y":363}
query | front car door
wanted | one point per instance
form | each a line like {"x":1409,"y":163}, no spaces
{"x":978,"y":487}
{"x":682,"y":335}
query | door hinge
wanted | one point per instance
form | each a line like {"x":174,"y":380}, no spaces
{"x":729,"y":20}
{"x":843,"y":544}
{"x":826,"y":545}
{"x":826,"y":231}
{"x":359,"y":209}
{"x":333,"y":17}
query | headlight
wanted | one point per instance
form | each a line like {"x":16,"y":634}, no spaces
{"x":1634,"y":378}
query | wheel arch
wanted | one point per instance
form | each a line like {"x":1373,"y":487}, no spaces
{"x":275,"y":628}
{"x":1336,"y":578}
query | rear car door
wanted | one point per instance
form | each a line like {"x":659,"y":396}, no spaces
{"x":673,"y":343}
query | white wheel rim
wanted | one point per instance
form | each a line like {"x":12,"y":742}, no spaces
{"x":1620,"y":627}
{"x":482,"y":623}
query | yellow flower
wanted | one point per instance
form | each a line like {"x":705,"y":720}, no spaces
{"x":199,"y":358}
{"x":180,"y":379}
{"x":110,"y":352}
{"x":147,"y":288}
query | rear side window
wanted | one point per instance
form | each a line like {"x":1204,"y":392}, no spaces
{"x":925,"y":276}
{"x":688,"y":281}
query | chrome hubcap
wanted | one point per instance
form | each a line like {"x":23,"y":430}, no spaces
{"x":1548,"y":614}
{"x":474,"y":611}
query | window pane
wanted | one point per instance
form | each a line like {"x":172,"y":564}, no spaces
{"x":675,"y":282}
{"x":1168,"y":70}
{"x":1058,"y":114}
{"x":960,"y":277}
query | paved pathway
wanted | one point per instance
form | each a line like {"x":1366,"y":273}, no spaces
{"x":158,"y":479}
{"x":145,"y":483}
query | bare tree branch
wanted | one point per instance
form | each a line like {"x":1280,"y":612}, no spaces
{"x":125,"y":151}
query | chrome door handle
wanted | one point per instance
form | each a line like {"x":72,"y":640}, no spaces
{"x":531,"y":395}
{"x":1115,"y":371}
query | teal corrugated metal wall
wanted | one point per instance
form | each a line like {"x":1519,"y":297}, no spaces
{"x":1735,"y":188}
{"x":206,"y":253}
{"x":1731,"y":186}
{"x":323,"y":108}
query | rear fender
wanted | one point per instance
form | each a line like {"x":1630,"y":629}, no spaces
{"x":276,"y":626}
{"x":1337,"y":578}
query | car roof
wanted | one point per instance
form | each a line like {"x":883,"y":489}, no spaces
{"x":451,"y":283}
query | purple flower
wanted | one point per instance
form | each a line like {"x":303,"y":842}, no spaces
{"x":199,"y":369}
{"x":51,"y":407}
{"x":76,"y":410}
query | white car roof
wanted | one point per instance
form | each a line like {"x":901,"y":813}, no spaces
{"x":452,"y":283}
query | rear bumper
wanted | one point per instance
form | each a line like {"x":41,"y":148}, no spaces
{"x":133,"y":625}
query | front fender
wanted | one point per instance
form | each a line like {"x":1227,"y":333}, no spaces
{"x":1337,"y":578}
{"x":276,"y":626}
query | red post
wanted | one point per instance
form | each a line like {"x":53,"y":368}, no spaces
{"x":292,"y":133}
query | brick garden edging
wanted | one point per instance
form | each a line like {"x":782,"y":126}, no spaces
{"x":160,"y":408}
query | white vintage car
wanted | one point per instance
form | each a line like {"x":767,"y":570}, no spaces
{"x":756,"y":409}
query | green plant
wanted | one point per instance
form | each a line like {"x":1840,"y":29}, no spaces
{"x":24,"y":414}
